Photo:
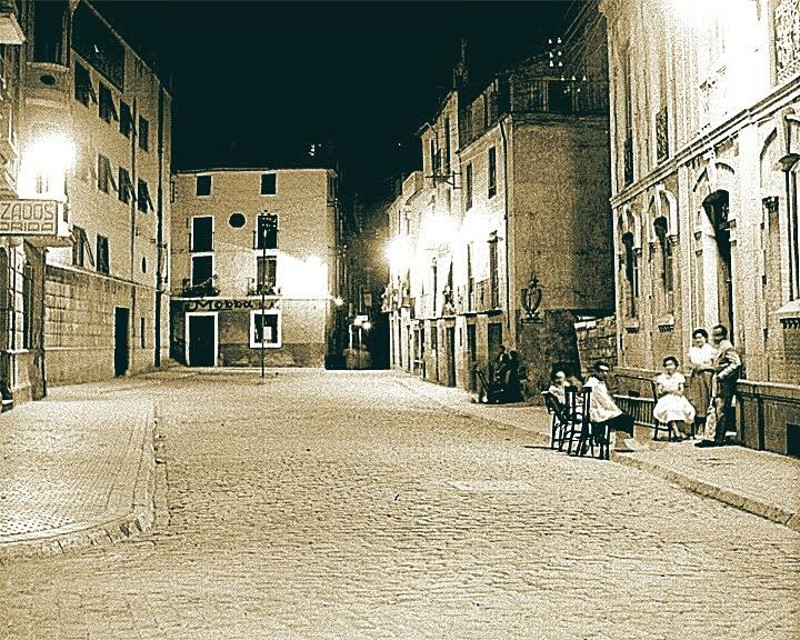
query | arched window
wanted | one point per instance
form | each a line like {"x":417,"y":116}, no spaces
{"x":660,"y":226}
{"x":631,"y":273}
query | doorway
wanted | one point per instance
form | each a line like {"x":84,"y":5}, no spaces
{"x":202,"y":341}
{"x":121,"y":340}
{"x":472,"y":356}
{"x":451,"y":356}
{"x":495,"y":340}
{"x":716,"y":207}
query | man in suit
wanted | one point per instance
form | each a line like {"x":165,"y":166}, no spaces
{"x":727,"y":367}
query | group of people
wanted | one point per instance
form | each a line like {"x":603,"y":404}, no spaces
{"x":506,"y":376}
{"x":714,"y":368}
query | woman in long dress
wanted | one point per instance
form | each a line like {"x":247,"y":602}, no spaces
{"x":672,"y":406}
{"x":701,"y":372}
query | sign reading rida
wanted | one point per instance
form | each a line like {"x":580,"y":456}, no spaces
{"x":29,"y":217}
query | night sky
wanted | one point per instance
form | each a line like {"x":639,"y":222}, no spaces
{"x":255,"y":83}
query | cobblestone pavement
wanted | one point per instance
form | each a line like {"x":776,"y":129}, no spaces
{"x":344,"y":505}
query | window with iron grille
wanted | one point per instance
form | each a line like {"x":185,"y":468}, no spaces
{"x":267,"y":231}
{"x":144,"y":134}
{"x":492,"y":172}
{"x":143,"y":201}
{"x":84,"y":91}
{"x":125,"y":186}
{"x":103,"y":258}
{"x":125,"y":119}
{"x":105,"y":177}
{"x":469,"y":186}
{"x":106,"y":109}
{"x":266,"y":274}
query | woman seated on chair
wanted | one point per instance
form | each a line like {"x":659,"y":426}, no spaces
{"x":672,"y":406}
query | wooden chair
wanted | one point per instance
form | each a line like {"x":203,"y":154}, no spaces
{"x":672,"y":433}
{"x":583,"y":429}
{"x":559,"y":419}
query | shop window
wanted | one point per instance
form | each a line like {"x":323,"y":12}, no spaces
{"x":269,"y":184}
{"x":202,"y":186}
{"x":202,"y":238}
{"x":265,"y":328}
{"x":144,"y":134}
{"x":125,"y":119}
{"x":103,"y":258}
{"x":107,"y":110}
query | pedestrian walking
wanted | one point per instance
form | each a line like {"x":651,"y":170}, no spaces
{"x":727,"y":367}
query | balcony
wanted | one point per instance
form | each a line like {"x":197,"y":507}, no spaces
{"x":205,"y":289}
{"x":267,"y":288}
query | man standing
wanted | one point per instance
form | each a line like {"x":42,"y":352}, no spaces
{"x":604,"y":411}
{"x":727,"y":367}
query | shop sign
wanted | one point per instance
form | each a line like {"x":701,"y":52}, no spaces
{"x":217,"y":304}
{"x":30,"y":217}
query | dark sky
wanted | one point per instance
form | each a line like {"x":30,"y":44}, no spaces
{"x":256,"y":82}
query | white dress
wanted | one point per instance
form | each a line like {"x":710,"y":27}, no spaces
{"x":673,"y":405}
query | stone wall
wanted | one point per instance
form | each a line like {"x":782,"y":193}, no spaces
{"x":79,"y":325}
{"x":597,"y":340}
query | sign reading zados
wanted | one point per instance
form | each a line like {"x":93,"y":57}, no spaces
{"x":30,"y":217}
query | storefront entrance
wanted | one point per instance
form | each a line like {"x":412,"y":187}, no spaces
{"x":202,"y":339}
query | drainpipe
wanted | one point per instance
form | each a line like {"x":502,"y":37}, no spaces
{"x":160,"y":227}
{"x":506,"y":215}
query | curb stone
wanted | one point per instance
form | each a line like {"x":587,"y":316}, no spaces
{"x":749,"y":505}
{"x":138,"y":519}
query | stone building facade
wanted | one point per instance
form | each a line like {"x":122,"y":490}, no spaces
{"x":95,"y":136}
{"x":503,"y":237}
{"x":255,"y":259}
{"x":705,"y":138}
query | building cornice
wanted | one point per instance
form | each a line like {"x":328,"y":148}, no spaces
{"x":760,"y":111}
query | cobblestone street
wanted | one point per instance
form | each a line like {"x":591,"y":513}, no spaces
{"x":342,"y":505}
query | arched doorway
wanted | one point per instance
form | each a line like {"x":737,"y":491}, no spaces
{"x":716,"y":207}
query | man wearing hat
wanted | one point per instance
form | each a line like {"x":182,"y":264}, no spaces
{"x":604,"y":411}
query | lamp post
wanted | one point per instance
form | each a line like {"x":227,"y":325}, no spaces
{"x":262,"y":232}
